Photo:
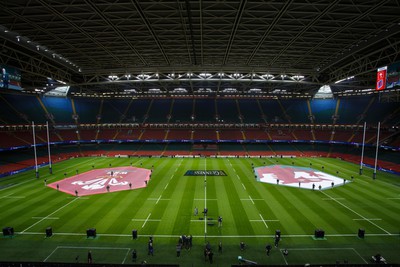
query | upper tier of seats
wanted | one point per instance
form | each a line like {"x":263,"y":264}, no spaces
{"x":23,"y":109}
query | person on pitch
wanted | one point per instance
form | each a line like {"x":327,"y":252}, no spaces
{"x":219,"y":221}
{"x":89,"y":257}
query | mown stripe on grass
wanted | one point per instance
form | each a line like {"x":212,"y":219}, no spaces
{"x":92,"y":211}
{"x":211,"y":192}
{"x":290,"y":213}
{"x":41,"y":204}
{"x":328,"y":217}
{"x":184,"y":215}
{"x":167,"y":210}
{"x":237,"y":207}
{"x":370,"y":202}
{"x":355,"y":212}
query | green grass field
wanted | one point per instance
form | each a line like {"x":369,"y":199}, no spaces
{"x":251,"y":212}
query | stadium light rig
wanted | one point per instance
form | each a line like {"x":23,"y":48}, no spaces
{"x":112,"y":77}
{"x":345,"y":79}
{"x":36,"y":46}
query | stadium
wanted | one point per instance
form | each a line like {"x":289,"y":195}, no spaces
{"x":200,"y":133}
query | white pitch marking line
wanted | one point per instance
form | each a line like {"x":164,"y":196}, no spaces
{"x":263,"y":220}
{"x":357,"y":214}
{"x":300,"y":249}
{"x":251,"y":200}
{"x":373,"y":219}
{"x":50,"y":214}
{"x":46,"y":218}
{"x":205,"y":196}
{"x":359,"y":255}
{"x":12,"y":197}
{"x":205,"y":199}
{"x":99,"y":248}
{"x":205,"y":206}
{"x":6,"y":196}
{"x":126,"y":255}
{"x":243,"y":186}
{"x":337,"y":198}
{"x":284,"y":258}
{"x":50,"y":254}
{"x":158,"y":199}
{"x":146,"y":220}
{"x":166,"y":186}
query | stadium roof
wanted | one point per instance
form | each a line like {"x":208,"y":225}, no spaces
{"x":225,"y":46}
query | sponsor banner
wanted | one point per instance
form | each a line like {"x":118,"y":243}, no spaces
{"x":300,"y":177}
{"x":120,"y":141}
{"x":205,"y":173}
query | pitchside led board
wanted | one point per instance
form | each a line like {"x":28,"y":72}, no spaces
{"x":10,"y":78}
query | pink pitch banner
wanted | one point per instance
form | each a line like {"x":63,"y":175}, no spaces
{"x":381,"y":78}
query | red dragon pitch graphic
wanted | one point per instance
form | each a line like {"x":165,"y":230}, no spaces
{"x":297,"y":177}
{"x":101,"y":181}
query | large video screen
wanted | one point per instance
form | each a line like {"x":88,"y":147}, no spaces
{"x":381,"y":78}
{"x":393,"y":76}
{"x":388,"y":77}
{"x":10,"y":78}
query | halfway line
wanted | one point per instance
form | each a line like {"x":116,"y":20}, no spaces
{"x":205,"y":195}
